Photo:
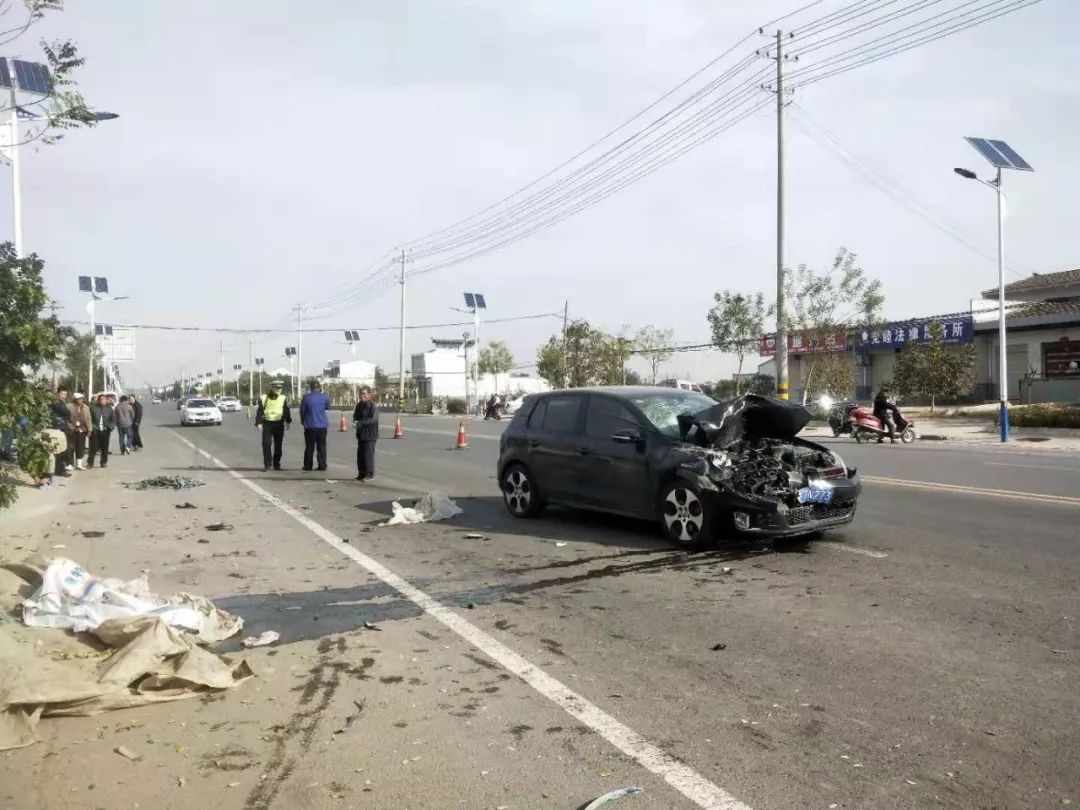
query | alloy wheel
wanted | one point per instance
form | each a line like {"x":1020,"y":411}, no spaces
{"x":518,"y":491}
{"x":684,"y":515}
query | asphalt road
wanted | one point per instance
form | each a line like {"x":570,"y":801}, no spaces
{"x":925,"y":656}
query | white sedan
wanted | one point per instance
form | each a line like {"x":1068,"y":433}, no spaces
{"x":229,"y":404}
{"x":200,"y":412}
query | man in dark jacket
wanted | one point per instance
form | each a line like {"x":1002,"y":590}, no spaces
{"x":102,"y":424}
{"x":366,"y":422}
{"x":63,"y":464}
{"x":313,"y":408}
{"x":272,"y":418}
{"x":136,"y":437}
{"x":887,"y":412}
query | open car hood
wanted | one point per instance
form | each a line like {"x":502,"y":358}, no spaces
{"x":748,"y":416}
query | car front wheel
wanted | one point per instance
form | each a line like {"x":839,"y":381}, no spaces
{"x":685,"y":518}
{"x":520,"y":494}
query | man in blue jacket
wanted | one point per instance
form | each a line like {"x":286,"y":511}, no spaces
{"x":313,"y":408}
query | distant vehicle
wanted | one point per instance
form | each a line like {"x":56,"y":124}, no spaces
{"x":200,"y":412}
{"x":678,"y":458}
{"x":231,"y":404}
{"x":157,"y":401}
{"x":682,"y":385}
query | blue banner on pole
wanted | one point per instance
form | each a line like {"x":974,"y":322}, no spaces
{"x":956,"y":331}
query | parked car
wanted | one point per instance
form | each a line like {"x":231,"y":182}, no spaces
{"x":676,"y":457}
{"x":200,"y":412}
{"x":231,"y":404}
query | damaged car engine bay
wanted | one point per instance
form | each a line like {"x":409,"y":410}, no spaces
{"x":772,"y":468}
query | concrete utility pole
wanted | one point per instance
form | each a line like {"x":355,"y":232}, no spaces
{"x":401,"y":340}
{"x":221,"y":368}
{"x":781,"y":303}
{"x":251,"y":371}
{"x":297,"y":384}
{"x":565,"y":359}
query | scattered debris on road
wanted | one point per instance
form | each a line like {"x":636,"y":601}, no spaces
{"x":370,"y":626}
{"x":186,"y":505}
{"x":203,"y":540}
{"x":264,"y":639}
{"x":718,"y":646}
{"x":127,"y":753}
{"x":610,"y":797}
{"x":727,"y":569}
{"x":350,"y":721}
{"x":433,"y":506}
{"x":93,"y":533}
{"x":166,"y":482}
{"x":474,"y":536}
{"x":219,"y":527}
{"x":560,"y":543}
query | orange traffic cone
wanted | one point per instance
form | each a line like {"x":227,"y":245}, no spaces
{"x":344,"y":426}
{"x":462,"y":441}
{"x":399,"y":431}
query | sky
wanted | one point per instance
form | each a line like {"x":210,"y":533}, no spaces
{"x":274,"y":152}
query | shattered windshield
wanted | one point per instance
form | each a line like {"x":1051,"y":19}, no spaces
{"x":663,"y":410}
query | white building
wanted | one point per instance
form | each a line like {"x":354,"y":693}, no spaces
{"x":354,"y":372}
{"x":440,"y":371}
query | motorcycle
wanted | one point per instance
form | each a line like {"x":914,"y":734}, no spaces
{"x":840,"y":420}
{"x":868,"y":428}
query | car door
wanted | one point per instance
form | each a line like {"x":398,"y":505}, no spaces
{"x":614,"y":465}
{"x":554,"y":437}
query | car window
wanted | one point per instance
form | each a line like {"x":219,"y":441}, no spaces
{"x":536,"y":418}
{"x":663,"y":410}
{"x":562,"y":414}
{"x":200,"y":403}
{"x":604,"y":416}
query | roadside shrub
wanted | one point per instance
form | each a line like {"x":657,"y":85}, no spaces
{"x":1048,"y":415}
{"x":456,"y":406}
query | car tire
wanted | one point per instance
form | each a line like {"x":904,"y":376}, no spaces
{"x":520,"y":494}
{"x":685,"y":517}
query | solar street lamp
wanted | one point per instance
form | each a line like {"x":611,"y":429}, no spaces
{"x":1001,"y":156}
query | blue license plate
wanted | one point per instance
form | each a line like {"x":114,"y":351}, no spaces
{"x":811,"y":495}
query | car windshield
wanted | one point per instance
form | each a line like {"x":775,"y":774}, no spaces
{"x":200,"y":403}
{"x":663,"y":410}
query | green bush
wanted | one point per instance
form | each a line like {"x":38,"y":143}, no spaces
{"x":456,"y":406}
{"x":1048,"y":415}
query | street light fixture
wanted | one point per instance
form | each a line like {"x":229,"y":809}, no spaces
{"x":1001,"y":156}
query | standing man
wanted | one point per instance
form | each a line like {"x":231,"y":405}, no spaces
{"x":79,"y":417}
{"x":102,"y":422}
{"x":366,"y":421}
{"x":63,"y":464}
{"x":313,"y":408}
{"x":125,"y":424}
{"x":136,"y":437}
{"x":272,"y":418}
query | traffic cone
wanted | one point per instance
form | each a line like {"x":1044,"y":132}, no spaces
{"x":344,"y":426}
{"x":399,"y":431}
{"x":462,"y":441}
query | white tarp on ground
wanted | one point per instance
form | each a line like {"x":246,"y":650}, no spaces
{"x":433,"y":506}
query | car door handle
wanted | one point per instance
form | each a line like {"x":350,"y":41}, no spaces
{"x":584,"y":451}
{"x":534,"y":442}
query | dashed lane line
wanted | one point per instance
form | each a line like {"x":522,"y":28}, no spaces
{"x":682,"y":778}
{"x":865,"y":552}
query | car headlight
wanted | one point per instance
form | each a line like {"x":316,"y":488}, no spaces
{"x":840,"y":462}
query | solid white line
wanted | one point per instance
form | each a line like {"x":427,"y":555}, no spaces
{"x":687,"y":781}
{"x":993,"y":493}
{"x":1033,"y":466}
{"x":877,"y":555}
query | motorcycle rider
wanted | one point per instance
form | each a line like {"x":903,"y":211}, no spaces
{"x":885,"y":410}
{"x":491,"y":411}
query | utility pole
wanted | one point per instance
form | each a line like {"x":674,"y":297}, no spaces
{"x":221,"y":368}
{"x":401,"y":340}
{"x":565,"y":359}
{"x":781,"y":303}
{"x":54,"y":307}
{"x":300,"y":308}
{"x":251,"y":371}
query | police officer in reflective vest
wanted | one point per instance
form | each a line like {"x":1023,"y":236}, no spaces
{"x":272,"y":418}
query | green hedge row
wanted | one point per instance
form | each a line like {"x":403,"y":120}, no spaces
{"x":1048,"y":415}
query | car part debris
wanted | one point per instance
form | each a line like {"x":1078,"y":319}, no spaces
{"x":474,"y":536}
{"x":560,"y":543}
{"x":219,"y":527}
{"x":610,"y":797}
{"x":127,"y":753}
{"x":93,"y":533}
{"x":264,"y":639}
{"x":166,"y":482}
{"x":718,"y":646}
{"x":186,"y":505}
{"x":350,"y":721}
{"x":433,"y":506}
{"x":370,"y":626}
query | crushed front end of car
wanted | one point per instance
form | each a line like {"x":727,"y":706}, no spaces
{"x":745,"y":453}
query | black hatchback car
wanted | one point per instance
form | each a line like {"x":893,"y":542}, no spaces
{"x":677,"y":457}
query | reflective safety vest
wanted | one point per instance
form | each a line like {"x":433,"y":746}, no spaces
{"x":273,"y":408}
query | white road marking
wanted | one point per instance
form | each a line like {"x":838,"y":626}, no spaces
{"x":684,"y":779}
{"x":993,"y":493}
{"x":1032,"y":466}
{"x":866,"y":552}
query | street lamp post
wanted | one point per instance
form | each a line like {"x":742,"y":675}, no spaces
{"x":1001,"y":156}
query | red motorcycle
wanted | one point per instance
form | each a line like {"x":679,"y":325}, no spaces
{"x":869,"y":428}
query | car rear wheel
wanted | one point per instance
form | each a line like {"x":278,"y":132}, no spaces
{"x":520,"y":494}
{"x":684,"y":516}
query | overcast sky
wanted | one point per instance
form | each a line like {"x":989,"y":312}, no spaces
{"x":272,"y":151}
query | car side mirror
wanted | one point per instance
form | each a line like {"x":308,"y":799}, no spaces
{"x":628,"y":437}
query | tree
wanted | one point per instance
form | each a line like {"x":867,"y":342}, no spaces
{"x":612,"y":353}
{"x":833,"y":375}
{"x":584,"y":356}
{"x":820,"y":305}
{"x":933,"y":369}
{"x":737,"y":322}
{"x":495,"y":359}
{"x":656,"y":347}
{"x":29,"y":342}
{"x":76,"y":361}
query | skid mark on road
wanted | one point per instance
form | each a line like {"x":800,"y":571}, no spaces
{"x":992,"y":493}
{"x":866,"y":552}
{"x":684,"y":779}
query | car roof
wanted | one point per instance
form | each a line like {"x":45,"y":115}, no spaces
{"x":627,"y":391}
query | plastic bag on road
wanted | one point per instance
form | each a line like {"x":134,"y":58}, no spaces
{"x":433,"y":506}
{"x":71,"y":598}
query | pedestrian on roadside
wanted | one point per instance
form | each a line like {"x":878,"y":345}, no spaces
{"x":80,"y":421}
{"x":102,"y":423}
{"x":125,"y":424}
{"x":366,"y":422}
{"x":61,"y":422}
{"x":313,"y":408}
{"x":273,"y":418}
{"x":136,"y":435}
